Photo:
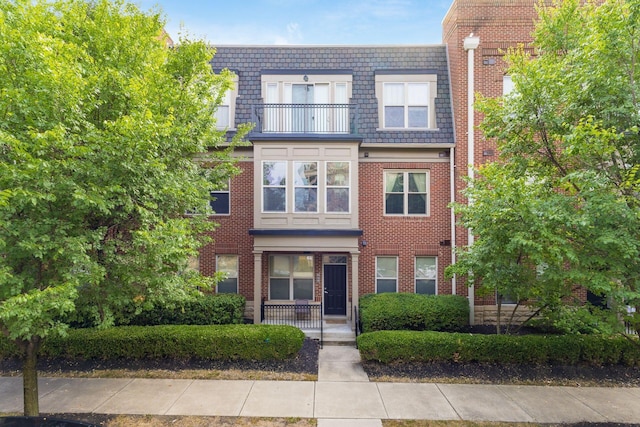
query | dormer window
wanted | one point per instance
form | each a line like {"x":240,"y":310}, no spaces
{"x":406,"y":101}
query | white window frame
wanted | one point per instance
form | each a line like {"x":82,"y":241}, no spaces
{"x":379,"y":277}
{"x":226,"y":189}
{"x":328,"y":187}
{"x":406,"y":193}
{"x":419,"y":276}
{"x":297,"y":185}
{"x":264,"y":186}
{"x":230,"y":274}
{"x":293,"y":276}
{"x":227,"y":113}
{"x":431,"y":80}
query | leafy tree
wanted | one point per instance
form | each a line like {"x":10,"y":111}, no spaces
{"x":107,"y":137}
{"x":561,"y":207}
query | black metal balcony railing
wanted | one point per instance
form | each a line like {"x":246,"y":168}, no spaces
{"x":306,"y":118}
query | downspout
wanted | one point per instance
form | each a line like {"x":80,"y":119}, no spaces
{"x":452,"y":177}
{"x":470,"y":45}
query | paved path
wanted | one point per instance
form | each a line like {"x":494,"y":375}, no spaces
{"x":342,"y":396}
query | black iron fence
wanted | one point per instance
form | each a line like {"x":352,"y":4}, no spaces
{"x":301,"y":314}
{"x":306,"y":118}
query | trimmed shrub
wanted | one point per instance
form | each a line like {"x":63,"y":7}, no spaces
{"x":404,"y":311}
{"x":429,"y":346}
{"x":207,"y":309}
{"x":225,"y":342}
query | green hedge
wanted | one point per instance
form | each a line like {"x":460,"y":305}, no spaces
{"x":428,"y":346}
{"x":208,"y":309}
{"x":225,"y":342}
{"x":404,"y":311}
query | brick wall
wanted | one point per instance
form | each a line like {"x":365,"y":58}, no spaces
{"x":404,"y":237}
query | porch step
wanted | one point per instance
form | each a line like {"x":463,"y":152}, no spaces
{"x":334,"y":333}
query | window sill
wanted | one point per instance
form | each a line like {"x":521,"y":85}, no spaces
{"x":407,"y":129}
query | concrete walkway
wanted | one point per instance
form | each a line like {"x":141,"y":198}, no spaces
{"x":342,"y":396}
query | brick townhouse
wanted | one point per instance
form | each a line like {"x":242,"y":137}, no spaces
{"x":356,"y":155}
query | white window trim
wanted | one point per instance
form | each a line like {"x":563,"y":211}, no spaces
{"x":237,"y":270}
{"x":291,"y":276}
{"x":327,"y":187}
{"x":286,"y":187}
{"x":415,"y":273}
{"x":228,"y":191}
{"x":431,"y":79}
{"x":231,"y":96}
{"x":321,"y":187}
{"x":405,"y":193}
{"x":387,"y":278}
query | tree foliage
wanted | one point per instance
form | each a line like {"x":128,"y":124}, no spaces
{"x":561,"y":207}
{"x":107,"y":138}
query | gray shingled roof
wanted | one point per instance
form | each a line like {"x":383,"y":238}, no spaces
{"x":250,"y":61}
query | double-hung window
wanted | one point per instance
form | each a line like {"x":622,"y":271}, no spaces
{"x":220,"y":201}
{"x":405,"y":193}
{"x":406,"y":101}
{"x":291,"y":277}
{"x":406,"y":105}
{"x":222,"y":112}
{"x":306,"y":186}
{"x":386,"y":274}
{"x":426,"y":275}
{"x":337,"y":186}
{"x":228,"y":264}
{"x":274,"y":186}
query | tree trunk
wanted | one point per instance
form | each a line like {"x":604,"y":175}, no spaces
{"x":499,"y":315}
{"x":30,"y":378}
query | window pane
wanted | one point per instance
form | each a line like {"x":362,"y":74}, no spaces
{"x":417,"y":204}
{"x":306,"y":173}
{"x":395,"y":182}
{"x":303,"y":266}
{"x":279,"y":266}
{"x":418,"y":93}
{"x":338,"y":173}
{"x":274,"y":173}
{"x":418,"y":117}
{"x":386,"y":285}
{"x":386,"y":267}
{"x":274,"y":199}
{"x":393,"y":94}
{"x":222,"y":117}
{"x":279,"y":289}
{"x":427,"y":287}
{"x":228,"y":264}
{"x":394,"y":204}
{"x":394,"y":117}
{"x":306,"y":200}
{"x":228,"y":286}
{"x":417,"y":182}
{"x":341,"y":93}
{"x":303,"y":289}
{"x":337,"y":200}
{"x":426,"y":268}
{"x":219,"y":202}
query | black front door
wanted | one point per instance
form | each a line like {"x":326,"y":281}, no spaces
{"x":335,"y":289}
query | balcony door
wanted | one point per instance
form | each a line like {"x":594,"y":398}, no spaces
{"x":309,"y":112}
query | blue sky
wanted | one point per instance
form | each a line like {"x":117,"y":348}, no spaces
{"x":305,"y":22}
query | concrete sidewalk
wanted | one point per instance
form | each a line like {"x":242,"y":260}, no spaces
{"x":342,"y":395}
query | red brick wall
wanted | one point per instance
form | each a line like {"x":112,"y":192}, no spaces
{"x":405,"y":237}
{"x":232,"y":236}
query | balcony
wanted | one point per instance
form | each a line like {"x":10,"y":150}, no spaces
{"x":305,"y":119}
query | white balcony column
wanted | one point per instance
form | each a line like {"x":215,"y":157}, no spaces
{"x":355,"y":290}
{"x":257,"y":286}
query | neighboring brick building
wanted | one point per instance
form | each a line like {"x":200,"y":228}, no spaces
{"x":356,"y":155}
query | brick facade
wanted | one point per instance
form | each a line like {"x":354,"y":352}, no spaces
{"x":499,"y":25}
